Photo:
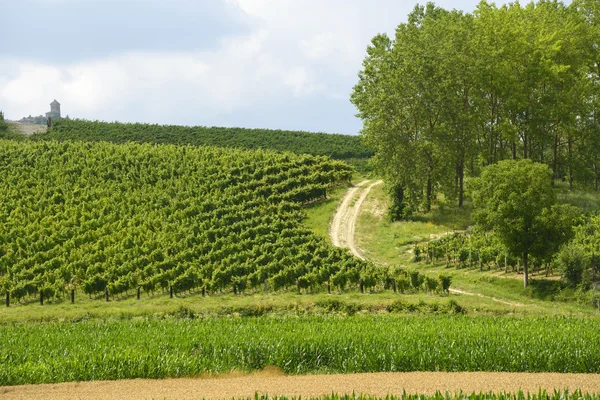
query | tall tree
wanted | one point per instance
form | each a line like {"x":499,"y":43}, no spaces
{"x":515,"y":200}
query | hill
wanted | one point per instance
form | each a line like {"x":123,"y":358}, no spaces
{"x":97,"y":216}
{"x":342,"y":147}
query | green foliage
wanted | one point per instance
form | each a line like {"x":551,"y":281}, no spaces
{"x":102,"y":216}
{"x":3,"y":124}
{"x":416,"y":279}
{"x":515,"y":200}
{"x":88,"y":350}
{"x":454,"y":92}
{"x":320,"y":144}
{"x":444,"y":282}
{"x":571,"y":262}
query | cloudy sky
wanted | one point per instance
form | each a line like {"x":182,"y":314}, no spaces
{"x":286,"y":64}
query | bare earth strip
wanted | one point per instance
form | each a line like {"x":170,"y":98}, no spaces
{"x":29,"y":129}
{"x":344,"y":222}
{"x":378,"y":384}
{"x":339,"y":225}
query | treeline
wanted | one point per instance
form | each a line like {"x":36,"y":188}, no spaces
{"x":454,"y":92}
{"x":3,"y":124}
{"x":320,"y":144}
{"x":100,"y":217}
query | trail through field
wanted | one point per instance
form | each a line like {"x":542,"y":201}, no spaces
{"x":245,"y":386}
{"x":343,"y":229}
{"x":458,"y":291}
{"x":343,"y":226}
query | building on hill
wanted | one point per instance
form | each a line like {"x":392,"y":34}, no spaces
{"x":54,"y":110}
{"x":54,"y":113}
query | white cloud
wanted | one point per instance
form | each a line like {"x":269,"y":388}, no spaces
{"x":206,"y":84}
{"x":296,"y":49}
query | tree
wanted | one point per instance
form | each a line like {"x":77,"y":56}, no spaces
{"x":515,"y":200}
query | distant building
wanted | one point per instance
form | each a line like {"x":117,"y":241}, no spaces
{"x":43,"y":120}
{"x":54,"y":110}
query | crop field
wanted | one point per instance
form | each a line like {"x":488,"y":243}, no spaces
{"x":179,"y":347}
{"x":108,"y":219}
{"x":337,"y":146}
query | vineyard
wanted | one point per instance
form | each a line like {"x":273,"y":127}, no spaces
{"x":108,"y":219}
{"x":178,"y":347}
{"x":336,"y":146}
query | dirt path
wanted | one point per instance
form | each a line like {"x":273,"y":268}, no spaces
{"x":343,"y":227}
{"x":458,"y":291}
{"x":379,"y":384}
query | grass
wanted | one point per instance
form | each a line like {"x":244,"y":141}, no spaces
{"x":392,"y":243}
{"x":319,"y":215}
{"x":228,"y":305}
{"x":178,"y":347}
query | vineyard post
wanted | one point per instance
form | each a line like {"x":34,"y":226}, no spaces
{"x":7,"y":298}
{"x":41,"y":297}
{"x":470,"y":259}
{"x":447,"y":259}
{"x":72,"y":296}
{"x":106,"y":293}
{"x":266,"y":286}
{"x":362,"y":286}
{"x":298,"y":286}
{"x":138,"y":292}
{"x":170,"y":291}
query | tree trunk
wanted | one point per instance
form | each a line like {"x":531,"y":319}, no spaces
{"x":429,"y":193}
{"x":460,"y":170}
{"x":555,"y":157}
{"x":570,"y":144}
{"x":525,"y":271}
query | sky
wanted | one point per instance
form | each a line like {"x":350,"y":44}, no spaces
{"x":279,"y":64}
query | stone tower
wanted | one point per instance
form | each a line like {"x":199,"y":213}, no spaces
{"x":54,"y":110}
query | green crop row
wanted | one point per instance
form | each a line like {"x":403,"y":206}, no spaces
{"x":179,"y":347}
{"x":108,"y":219}
{"x":321,"y":144}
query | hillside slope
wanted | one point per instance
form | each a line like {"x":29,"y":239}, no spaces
{"x":102,"y":216}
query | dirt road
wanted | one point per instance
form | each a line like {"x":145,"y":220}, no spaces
{"x":379,"y":384}
{"x":343,"y":227}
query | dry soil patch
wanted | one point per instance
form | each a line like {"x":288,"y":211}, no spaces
{"x":378,"y":384}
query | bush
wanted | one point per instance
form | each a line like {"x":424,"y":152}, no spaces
{"x":444,"y":282}
{"x":431,"y":284}
{"x":571,"y":264}
{"x":416,"y":279}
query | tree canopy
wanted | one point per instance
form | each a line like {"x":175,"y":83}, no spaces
{"x":453,"y":92}
{"x":515,"y":200}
